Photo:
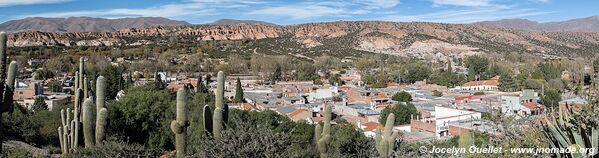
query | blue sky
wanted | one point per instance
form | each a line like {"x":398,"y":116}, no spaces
{"x":294,"y":12}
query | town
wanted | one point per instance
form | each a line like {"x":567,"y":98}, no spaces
{"x":431,"y":111}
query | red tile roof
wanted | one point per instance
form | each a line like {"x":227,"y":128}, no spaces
{"x":296,"y":112}
{"x":532,"y":105}
{"x":371,"y":126}
{"x":491,"y":82}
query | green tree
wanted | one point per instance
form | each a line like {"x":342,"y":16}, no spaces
{"x":143,"y":116}
{"x":238,"y":92}
{"x":276,"y":75}
{"x":39,"y":104}
{"x":403,"y":113}
{"x":402,"y":97}
{"x":436,"y":93}
{"x":416,"y":72}
{"x":54,"y":86}
{"x":335,"y":79}
{"x":551,"y":98}
{"x":476,"y":65}
{"x":507,"y":84}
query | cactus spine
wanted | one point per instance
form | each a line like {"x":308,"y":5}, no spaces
{"x":7,"y":81}
{"x":179,"y":126}
{"x":216,"y":124}
{"x":323,"y":133}
{"x":386,"y":142}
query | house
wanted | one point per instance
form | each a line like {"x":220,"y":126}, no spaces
{"x":481,"y":85}
{"x":300,"y":114}
{"x":525,"y":104}
{"x":439,"y":120}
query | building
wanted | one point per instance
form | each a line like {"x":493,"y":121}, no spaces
{"x":525,"y":104}
{"x":482,"y":85}
{"x":439,"y":120}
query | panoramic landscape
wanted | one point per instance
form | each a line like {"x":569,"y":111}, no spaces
{"x":261,"y":78}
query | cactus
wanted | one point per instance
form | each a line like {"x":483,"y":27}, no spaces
{"x":221,"y":112}
{"x":386,"y":142}
{"x":566,"y":132}
{"x":102,"y":112}
{"x":7,"y":81}
{"x":179,"y":126}
{"x":322,"y":134}
{"x":207,"y":120}
{"x":69,"y":131}
{"x":87,"y":123}
{"x":84,"y":114}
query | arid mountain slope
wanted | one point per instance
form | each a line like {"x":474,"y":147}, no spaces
{"x":588,"y":24}
{"x":404,"y":39}
{"x":84,"y":24}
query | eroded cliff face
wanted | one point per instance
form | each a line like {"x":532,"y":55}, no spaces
{"x":230,"y":32}
{"x":373,"y":36}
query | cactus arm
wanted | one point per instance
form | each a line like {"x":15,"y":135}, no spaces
{"x":217,"y":123}
{"x":207,"y":119}
{"x":595,"y":138}
{"x":87,"y":123}
{"x":220,"y":87}
{"x":179,"y":125}
{"x":317,"y":132}
{"x":101,"y":122}
{"x":100,"y":93}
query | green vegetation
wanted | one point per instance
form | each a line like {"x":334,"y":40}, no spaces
{"x":551,"y":98}
{"x":238,"y":92}
{"x":7,"y":82}
{"x":403,"y":113}
{"x":477,"y":65}
{"x":385,"y":143}
{"x":562,"y":132}
{"x":402,"y":97}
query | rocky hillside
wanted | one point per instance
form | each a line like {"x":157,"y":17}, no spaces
{"x":234,"y":22}
{"x":84,"y":24}
{"x":589,"y":24}
{"x":403,"y":39}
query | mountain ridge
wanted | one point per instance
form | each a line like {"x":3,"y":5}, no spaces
{"x":84,"y":24}
{"x":587,"y":24}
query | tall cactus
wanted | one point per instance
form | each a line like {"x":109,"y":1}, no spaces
{"x":207,"y":119}
{"x":69,"y":131}
{"x":87,"y":123}
{"x":322,"y":134}
{"x":6,"y":82}
{"x":102,"y":112}
{"x":179,"y":126}
{"x":221,"y":111}
{"x":386,"y":142}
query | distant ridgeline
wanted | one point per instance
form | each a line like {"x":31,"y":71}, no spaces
{"x":403,"y":39}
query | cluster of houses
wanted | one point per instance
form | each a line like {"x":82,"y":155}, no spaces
{"x":456,"y":111}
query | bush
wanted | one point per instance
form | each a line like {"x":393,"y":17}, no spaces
{"x":402,"y":97}
{"x":115,"y":149}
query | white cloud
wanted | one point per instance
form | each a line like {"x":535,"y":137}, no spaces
{"x":375,"y":4}
{"x":467,"y":16}
{"x":301,"y":12}
{"x":305,"y":10}
{"x":188,"y":9}
{"x":469,"y":3}
{"x":6,"y":3}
